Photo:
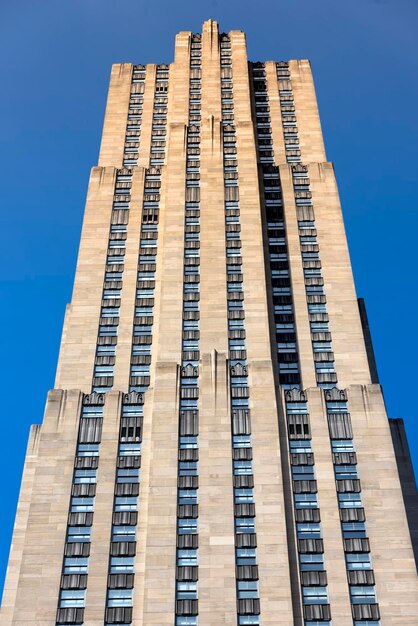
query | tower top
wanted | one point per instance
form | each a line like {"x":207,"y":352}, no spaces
{"x":210,"y":25}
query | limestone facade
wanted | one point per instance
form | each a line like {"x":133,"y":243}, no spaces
{"x":261,"y":180}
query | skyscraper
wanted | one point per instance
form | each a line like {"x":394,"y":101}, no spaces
{"x":216,"y":449}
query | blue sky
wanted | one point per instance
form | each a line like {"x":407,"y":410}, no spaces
{"x":56,"y":59}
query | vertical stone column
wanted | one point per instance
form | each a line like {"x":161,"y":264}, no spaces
{"x":272,"y":552}
{"x":344,"y":319}
{"x":103,"y":509}
{"x":217,"y":604}
{"x":339,"y":597}
{"x":147,"y":113}
{"x":292,"y":232}
{"x":309,"y":125}
{"x":39,"y":578}
{"x":155,"y":586}
{"x":114,"y":126}
{"x":275,"y":113}
{"x":297,"y":280}
{"x":387,"y":526}
{"x":130,"y":274}
{"x":78,"y":346}
{"x":20,"y":527}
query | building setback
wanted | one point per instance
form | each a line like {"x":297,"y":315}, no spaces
{"x":216,"y":449}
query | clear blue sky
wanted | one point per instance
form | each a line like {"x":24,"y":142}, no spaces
{"x":56,"y":57}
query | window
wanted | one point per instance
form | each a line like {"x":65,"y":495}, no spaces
{"x":129,"y":449}
{"x":317,"y":308}
{"x":243,"y":495}
{"x":81,"y":505}
{"x":358,"y":561}
{"x":187,"y":496}
{"x":315,"y":595}
{"x":353,"y":530}
{"x":308,"y":531}
{"x":88,"y":449}
{"x":246,"y":556}
{"x":247,"y":589}
{"x":189,"y":441}
{"x":121,"y":564}
{"x":337,"y":407}
{"x":322,"y":367}
{"x":349,"y":500}
{"x":141,"y":349}
{"x":187,"y":526}
{"x":345,"y":472}
{"x":236,"y":344}
{"x":119,"y":597}
{"x":187,"y":557}
{"x":190,"y":324}
{"x":145,"y":293}
{"x":188,"y":468}
{"x":240,"y":402}
{"x":186,"y":590}
{"x":130,"y":475}
{"x":245,"y":620}
{"x":245,"y":524}
{"x":362,"y":594}
{"x":84,"y":476}
{"x":186,"y":620}
{"x":319,"y":327}
{"x":106,"y":350}
{"x":72,"y":598}
{"x":103,"y":370}
{"x":235,"y":324}
{"x":123,"y":533}
{"x":241,"y":441}
{"x":322,"y":346}
{"x":305,"y":501}
{"x":108,"y":331}
{"x":300,"y":446}
{"x":303,"y":472}
{"x":242,"y":467}
{"x":342,"y":445}
{"x":140,"y":370}
{"x":311,"y":562}
{"x":75,"y":565}
{"x":127,"y":503}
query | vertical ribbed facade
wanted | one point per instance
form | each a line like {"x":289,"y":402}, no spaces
{"x":214,"y":451}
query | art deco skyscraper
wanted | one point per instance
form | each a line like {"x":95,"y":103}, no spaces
{"x":216,"y":449}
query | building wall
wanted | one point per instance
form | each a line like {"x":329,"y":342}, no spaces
{"x":35,"y":564}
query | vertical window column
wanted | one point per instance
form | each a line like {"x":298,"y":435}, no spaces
{"x":120,"y":583}
{"x":360,"y":575}
{"x":326,"y":375}
{"x":247,"y":589}
{"x":287,"y":108}
{"x":109,"y":313}
{"x":139,"y":379}
{"x":111,"y":298}
{"x":72,"y":596}
{"x":133,"y":127}
{"x":313,"y":577}
{"x":287,"y":355}
{"x":188,"y":451}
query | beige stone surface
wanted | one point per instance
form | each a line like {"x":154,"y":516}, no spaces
{"x":33,"y":578}
{"x":78,"y":345}
{"x":217,"y":604}
{"x":272,"y":553}
{"x":114,"y":127}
